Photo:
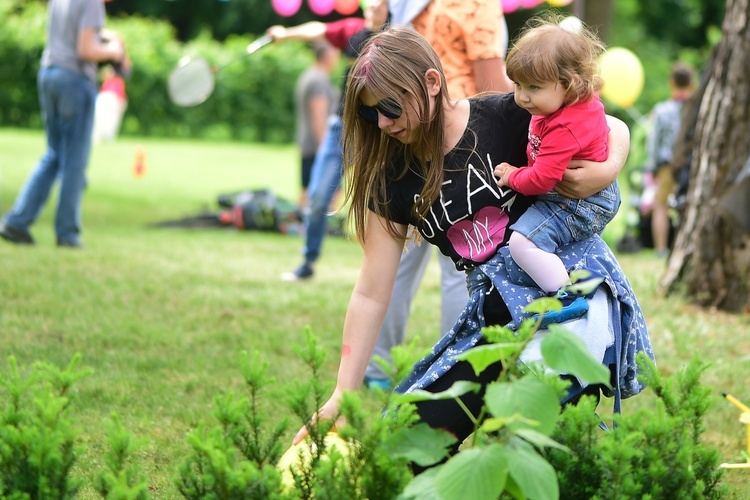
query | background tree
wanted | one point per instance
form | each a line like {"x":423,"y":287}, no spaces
{"x":711,"y":257}
{"x":160,"y":32}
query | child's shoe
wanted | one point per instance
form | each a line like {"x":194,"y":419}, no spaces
{"x":373,"y":383}
{"x":573,"y":307}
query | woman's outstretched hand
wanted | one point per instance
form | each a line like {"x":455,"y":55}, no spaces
{"x":328,"y":411}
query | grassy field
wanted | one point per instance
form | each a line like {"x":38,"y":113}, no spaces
{"x":161,"y":315}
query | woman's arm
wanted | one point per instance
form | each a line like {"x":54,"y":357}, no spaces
{"x":584,"y":178}
{"x":366,"y":310}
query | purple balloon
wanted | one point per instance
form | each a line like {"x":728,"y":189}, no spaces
{"x":286,"y":8}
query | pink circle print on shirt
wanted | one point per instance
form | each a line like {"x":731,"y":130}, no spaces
{"x":477,"y":239}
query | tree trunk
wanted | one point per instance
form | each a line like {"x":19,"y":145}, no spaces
{"x":710,"y":261}
{"x":595,"y":13}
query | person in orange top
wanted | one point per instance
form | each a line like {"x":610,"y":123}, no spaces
{"x":111,"y":103}
{"x":470,"y":38}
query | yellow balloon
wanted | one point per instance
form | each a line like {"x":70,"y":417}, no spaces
{"x":298,"y":456}
{"x":559,"y":3}
{"x":623,"y":76}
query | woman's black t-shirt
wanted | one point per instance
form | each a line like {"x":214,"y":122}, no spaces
{"x":471,"y":219}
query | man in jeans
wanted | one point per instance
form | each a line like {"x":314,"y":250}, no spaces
{"x":67,"y":83}
{"x":349,"y":35}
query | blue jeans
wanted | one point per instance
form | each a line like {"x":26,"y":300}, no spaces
{"x":67,"y":100}
{"x":554,"y":221}
{"x":325,"y":179}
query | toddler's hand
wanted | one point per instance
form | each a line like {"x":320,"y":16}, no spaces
{"x":502,"y":172}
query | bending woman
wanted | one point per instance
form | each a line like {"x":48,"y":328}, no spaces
{"x":414,"y":157}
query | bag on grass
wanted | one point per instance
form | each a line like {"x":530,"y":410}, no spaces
{"x":260,"y":210}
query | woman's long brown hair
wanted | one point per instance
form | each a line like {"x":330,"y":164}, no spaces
{"x":392,"y":65}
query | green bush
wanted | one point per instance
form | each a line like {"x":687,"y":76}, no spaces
{"x":37,"y":437}
{"x":522,"y":444}
{"x":254,"y":96}
{"x":253,"y":99}
{"x":654,"y":453}
{"x":120,"y":479}
{"x":22,"y":36}
{"x":237,"y":458}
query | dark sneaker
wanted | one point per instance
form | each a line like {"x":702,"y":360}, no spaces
{"x":373,"y":383}
{"x":17,"y":236}
{"x":70,"y":244}
{"x":303,"y":272}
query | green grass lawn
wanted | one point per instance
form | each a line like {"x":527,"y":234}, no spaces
{"x":161,"y":315}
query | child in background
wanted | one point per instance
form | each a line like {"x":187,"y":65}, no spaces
{"x":554,"y":72}
{"x":111,"y":103}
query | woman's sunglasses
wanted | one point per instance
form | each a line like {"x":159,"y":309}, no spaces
{"x":387,"y":107}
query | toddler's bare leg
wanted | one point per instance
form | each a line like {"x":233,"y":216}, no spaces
{"x":545,"y":268}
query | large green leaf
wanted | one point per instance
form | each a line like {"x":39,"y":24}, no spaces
{"x":583,"y":283}
{"x":544,"y":305}
{"x":495,"y":424}
{"x":476,"y":473}
{"x":456,"y":390}
{"x":531,"y":472}
{"x":540,"y":440}
{"x":512,"y":489}
{"x":422,"y":486}
{"x":528,"y":397}
{"x":565,"y":352}
{"x":420,"y":444}
{"x":482,"y":356}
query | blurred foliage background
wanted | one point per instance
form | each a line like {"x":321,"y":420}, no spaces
{"x":254,"y":96}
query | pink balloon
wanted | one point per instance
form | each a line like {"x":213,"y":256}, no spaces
{"x":509,"y":5}
{"x":530,"y":4}
{"x":321,"y":7}
{"x":286,"y":8}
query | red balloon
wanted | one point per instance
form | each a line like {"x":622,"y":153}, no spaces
{"x":321,"y":7}
{"x":286,"y":8}
{"x":346,"y":7}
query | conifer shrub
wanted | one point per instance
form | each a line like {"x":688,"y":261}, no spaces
{"x":655,"y":452}
{"x":37,"y":437}
{"x":524,"y":445}
{"x":121,"y":479}
{"x":237,"y":457}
